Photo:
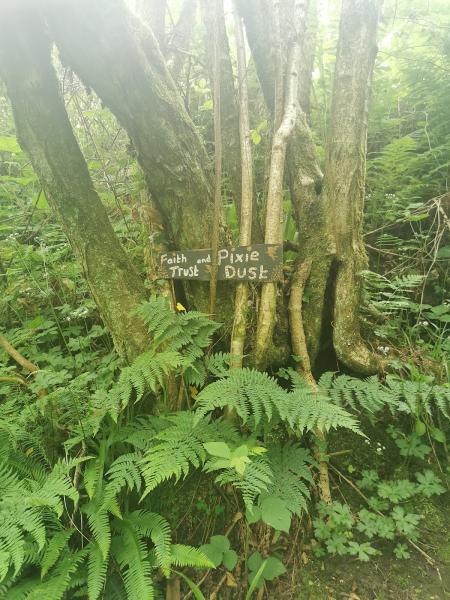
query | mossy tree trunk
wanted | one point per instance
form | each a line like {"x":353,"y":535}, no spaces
{"x":45,"y":133}
{"x":328,"y":207}
{"x":119,"y":57}
{"x":345,"y":169}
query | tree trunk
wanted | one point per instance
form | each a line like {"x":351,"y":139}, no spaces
{"x":329,"y":210}
{"x":240,"y":323}
{"x":44,"y":132}
{"x":120,"y":59}
{"x":345,"y":174}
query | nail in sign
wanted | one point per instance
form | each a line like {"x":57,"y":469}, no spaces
{"x":258,"y":263}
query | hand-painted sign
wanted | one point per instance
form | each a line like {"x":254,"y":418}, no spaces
{"x":260,"y":262}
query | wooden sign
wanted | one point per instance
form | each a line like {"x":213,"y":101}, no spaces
{"x":260,"y":262}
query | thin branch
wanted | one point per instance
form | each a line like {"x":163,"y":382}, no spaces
{"x":217,"y":163}
{"x":274,"y":208}
{"x":245,"y":232}
{"x":15,"y":354}
{"x":303,"y":363}
{"x":16,"y":379}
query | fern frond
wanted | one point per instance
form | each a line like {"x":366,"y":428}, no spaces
{"x":125,"y":472}
{"x":97,"y":567}
{"x":257,"y":478}
{"x":180,"y":446}
{"x":291,"y":464}
{"x":254,"y":395}
{"x":218,"y":364}
{"x":99,"y":525}
{"x":250,"y":393}
{"x":55,"y":587}
{"x":131,"y":553}
{"x":53,"y":550}
{"x":145,"y":373}
{"x":155,"y":527}
{"x":187,"y":556}
{"x":308,"y":411}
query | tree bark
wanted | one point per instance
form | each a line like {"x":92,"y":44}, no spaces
{"x":329,"y":211}
{"x":238,"y":334}
{"x":345,"y":174}
{"x":120,"y":59}
{"x":274,"y":206}
{"x":228,"y":101}
{"x":302,"y":166}
{"x":44,"y":132}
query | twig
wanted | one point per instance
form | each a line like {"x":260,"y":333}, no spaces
{"x":216,"y":590}
{"x":15,"y":354}
{"x":16,"y":379}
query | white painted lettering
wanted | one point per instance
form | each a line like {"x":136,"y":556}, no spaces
{"x":263,"y":273}
{"x":230,"y":272}
{"x":222,"y":255}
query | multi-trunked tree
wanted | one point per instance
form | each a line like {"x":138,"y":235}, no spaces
{"x":120,"y":58}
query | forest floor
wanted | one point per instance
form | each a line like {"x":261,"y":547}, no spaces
{"x":384,"y":577}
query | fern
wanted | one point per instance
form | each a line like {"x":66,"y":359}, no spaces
{"x":359,"y":395}
{"x":97,"y":570}
{"x":417,"y":397}
{"x":146,"y":373}
{"x":256,"y":479}
{"x":53,"y":550}
{"x":184,"y":332}
{"x":130,"y":552}
{"x":24,"y":507}
{"x":155,"y":527}
{"x":187,"y":556}
{"x":291,"y":463}
{"x":256,"y":396}
{"x":371,"y":396}
{"x":179,"y":446}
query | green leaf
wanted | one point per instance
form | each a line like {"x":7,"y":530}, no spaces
{"x":4,"y":564}
{"x":429,"y":483}
{"x":221,"y":542}
{"x":437,"y":434}
{"x":239,"y":463}
{"x":273,"y":568}
{"x":444,"y":252}
{"x":256,"y":138}
{"x":254,"y":561}
{"x":401,"y":551}
{"x":214,"y":553}
{"x":230,"y":559}
{"x":255,"y":580}
{"x":420,"y":427}
{"x":192,"y":586}
{"x":362,"y":551}
{"x":253,"y":514}
{"x":275,"y":513}
{"x":219,"y":449}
